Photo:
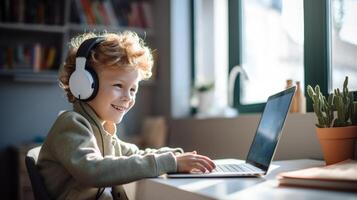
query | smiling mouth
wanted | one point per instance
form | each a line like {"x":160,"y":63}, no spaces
{"x":118,"y":108}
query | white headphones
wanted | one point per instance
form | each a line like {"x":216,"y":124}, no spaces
{"x":83,"y":82}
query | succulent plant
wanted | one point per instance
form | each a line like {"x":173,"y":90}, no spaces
{"x":323,"y":109}
{"x":205,"y":87}
{"x":354,"y":113}
{"x":338,"y":102}
{"x":342,"y":104}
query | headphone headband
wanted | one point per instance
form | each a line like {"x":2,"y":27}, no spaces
{"x":87,"y":46}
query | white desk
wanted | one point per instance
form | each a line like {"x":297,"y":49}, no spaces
{"x":236,"y":188}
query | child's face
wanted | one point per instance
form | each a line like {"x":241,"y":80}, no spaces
{"x":116,"y":93}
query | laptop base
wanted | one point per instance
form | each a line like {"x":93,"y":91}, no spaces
{"x":219,"y":174}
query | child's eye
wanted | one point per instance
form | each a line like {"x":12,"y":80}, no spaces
{"x":133,"y":89}
{"x":119,"y":85}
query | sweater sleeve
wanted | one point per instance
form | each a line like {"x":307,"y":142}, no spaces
{"x":130,"y":149}
{"x":75,"y":147}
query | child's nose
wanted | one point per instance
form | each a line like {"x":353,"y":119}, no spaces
{"x":126,"y":96}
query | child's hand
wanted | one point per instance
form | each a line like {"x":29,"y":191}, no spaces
{"x":190,"y":161}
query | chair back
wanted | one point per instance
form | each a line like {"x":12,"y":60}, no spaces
{"x":38,"y":186}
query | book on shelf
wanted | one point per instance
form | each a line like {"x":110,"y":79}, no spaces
{"x":147,"y":14}
{"x":108,"y":10}
{"x":339,"y":176}
{"x":112,"y":12}
{"x":31,"y":11}
{"x":36,"y":57}
{"x":104,"y":14}
{"x":135,"y":16}
{"x":122,"y":11}
{"x":86,"y":4}
{"x":77,"y":12}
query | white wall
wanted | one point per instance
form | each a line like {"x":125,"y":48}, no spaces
{"x":180,"y":65}
{"x":231,"y":137}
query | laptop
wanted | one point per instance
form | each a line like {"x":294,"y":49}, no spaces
{"x":264,"y":144}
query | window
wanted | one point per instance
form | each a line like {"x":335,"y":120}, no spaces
{"x":210,"y":42}
{"x":320,"y":58}
{"x":272,"y":47}
{"x":311,"y":41}
{"x":344,"y":42}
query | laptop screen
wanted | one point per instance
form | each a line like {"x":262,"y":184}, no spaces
{"x":270,"y":127}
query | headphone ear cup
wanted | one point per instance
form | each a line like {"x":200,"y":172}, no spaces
{"x":83,"y":84}
{"x":95,"y":83}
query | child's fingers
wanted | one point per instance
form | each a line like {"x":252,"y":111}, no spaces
{"x":199,"y":166}
{"x":206,"y":164}
{"x":208,"y":160}
{"x":190,"y":153}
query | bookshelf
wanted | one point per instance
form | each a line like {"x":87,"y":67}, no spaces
{"x":34,"y":34}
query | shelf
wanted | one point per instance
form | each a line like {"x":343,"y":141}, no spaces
{"x":101,"y":28}
{"x":72,"y":27}
{"x":48,"y":76}
{"x":33,"y":27}
{"x":20,"y":39}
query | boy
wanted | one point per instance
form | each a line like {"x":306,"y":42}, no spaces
{"x":82,"y":157}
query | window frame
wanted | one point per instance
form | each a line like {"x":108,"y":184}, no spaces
{"x":316,"y":45}
{"x":235,"y":56}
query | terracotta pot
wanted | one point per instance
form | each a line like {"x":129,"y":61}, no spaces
{"x":338,"y":143}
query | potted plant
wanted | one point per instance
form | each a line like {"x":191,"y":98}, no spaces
{"x":337,"y":120}
{"x":205,"y":94}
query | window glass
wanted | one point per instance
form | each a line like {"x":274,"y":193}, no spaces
{"x":272,"y":47}
{"x":344,"y":43}
{"x":211,"y":54}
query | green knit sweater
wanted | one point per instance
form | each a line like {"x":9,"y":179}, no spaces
{"x":79,"y":156}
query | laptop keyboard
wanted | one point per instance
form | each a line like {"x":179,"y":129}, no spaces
{"x":235,"y":168}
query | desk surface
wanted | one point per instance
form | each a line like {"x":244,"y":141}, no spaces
{"x":233,"y":188}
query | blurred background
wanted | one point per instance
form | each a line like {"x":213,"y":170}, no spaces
{"x":193,"y":99}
